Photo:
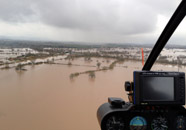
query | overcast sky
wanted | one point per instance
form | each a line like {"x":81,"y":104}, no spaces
{"x":99,"y":21}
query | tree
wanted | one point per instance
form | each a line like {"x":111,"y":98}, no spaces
{"x":92,"y":74}
{"x":7,"y":65}
{"x":98,"y":64}
{"x":74,"y":75}
{"x":20,"y":67}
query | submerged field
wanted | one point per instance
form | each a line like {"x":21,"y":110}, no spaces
{"x":45,"y":97}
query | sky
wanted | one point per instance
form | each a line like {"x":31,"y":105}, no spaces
{"x":95,"y":21}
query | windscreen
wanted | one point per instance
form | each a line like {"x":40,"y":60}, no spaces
{"x":158,"y":89}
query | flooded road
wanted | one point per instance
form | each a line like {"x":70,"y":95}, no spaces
{"x":45,"y":98}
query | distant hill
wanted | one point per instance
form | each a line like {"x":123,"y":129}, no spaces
{"x":39,"y":45}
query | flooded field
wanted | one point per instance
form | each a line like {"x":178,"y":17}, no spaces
{"x":45,"y":98}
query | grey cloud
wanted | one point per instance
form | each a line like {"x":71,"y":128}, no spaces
{"x":165,"y":7}
{"x":16,"y":11}
{"x":124,"y":17}
{"x":101,"y":15}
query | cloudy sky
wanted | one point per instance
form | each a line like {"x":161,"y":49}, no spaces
{"x":99,"y":21}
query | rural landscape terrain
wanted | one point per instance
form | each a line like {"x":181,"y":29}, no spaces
{"x":50,"y":85}
{"x":18,"y":54}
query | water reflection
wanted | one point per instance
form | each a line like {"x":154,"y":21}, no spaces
{"x":91,"y":79}
{"x":19,"y":72}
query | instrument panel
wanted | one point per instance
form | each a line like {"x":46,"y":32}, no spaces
{"x":159,"y":122}
{"x":145,"y":118}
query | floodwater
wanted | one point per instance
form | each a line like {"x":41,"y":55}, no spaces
{"x":45,"y":98}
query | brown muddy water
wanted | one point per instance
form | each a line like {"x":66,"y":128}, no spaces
{"x":44,"y":97}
